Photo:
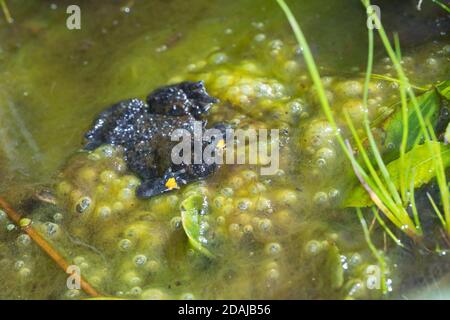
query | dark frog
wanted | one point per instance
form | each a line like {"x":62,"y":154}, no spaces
{"x":144,"y":132}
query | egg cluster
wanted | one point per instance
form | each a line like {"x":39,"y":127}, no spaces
{"x":244,"y":87}
{"x":101,"y":210}
{"x":140,"y":249}
{"x":91,"y":187}
{"x":354,"y":274}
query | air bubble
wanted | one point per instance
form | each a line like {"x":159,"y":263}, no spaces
{"x":260,"y":37}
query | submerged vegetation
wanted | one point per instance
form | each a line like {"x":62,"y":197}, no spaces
{"x":422,"y":156}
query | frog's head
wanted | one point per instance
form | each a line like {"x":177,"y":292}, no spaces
{"x":181,"y":99}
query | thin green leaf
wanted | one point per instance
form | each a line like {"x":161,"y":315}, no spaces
{"x":374,"y":250}
{"x":442,"y":5}
{"x":385,"y":227}
{"x":439,"y":168}
{"x":391,"y":79}
{"x":436,"y":210}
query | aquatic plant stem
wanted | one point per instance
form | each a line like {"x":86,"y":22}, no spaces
{"x":405,"y":125}
{"x":427,"y":130}
{"x":436,"y":210}
{"x":369,"y":134}
{"x":6,"y":12}
{"x":345,"y":147}
{"x":399,"y":218}
{"x":369,"y":67}
{"x":385,"y":227}
{"x":412,"y":200}
{"x":406,"y":225}
{"x":375,"y":151}
{"x":398,"y":68}
{"x":374,"y":251}
{"x":395,"y":206}
{"x":376,"y":188}
{"x":442,"y":5}
{"x":394,"y":80}
{"x":25,"y":225}
{"x":441,"y":178}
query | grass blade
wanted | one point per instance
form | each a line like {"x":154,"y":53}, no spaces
{"x":442,"y":5}
{"x":6,"y":12}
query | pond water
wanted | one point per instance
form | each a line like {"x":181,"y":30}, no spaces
{"x":270,"y":237}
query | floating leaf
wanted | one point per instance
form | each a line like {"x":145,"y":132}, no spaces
{"x":429,"y":104}
{"x":418,"y":159}
{"x":333,"y":265}
{"x":193,"y":217}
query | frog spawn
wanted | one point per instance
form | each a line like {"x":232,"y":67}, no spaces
{"x":126,"y":243}
{"x":142,"y":240}
{"x":134,"y":246}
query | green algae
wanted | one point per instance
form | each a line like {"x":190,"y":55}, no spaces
{"x":263,"y":229}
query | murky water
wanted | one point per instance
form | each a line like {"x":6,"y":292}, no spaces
{"x":274,"y":237}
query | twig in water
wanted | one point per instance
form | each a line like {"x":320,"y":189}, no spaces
{"x":25,"y":225}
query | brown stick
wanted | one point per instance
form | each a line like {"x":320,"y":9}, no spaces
{"x":25,"y":225}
